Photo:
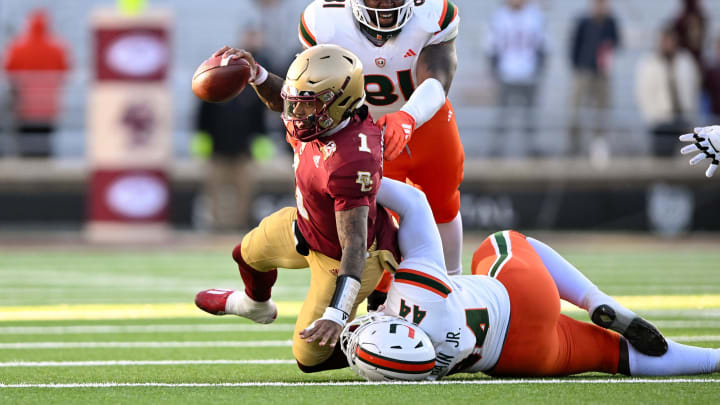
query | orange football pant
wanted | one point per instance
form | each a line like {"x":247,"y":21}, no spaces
{"x":540,"y":341}
{"x":435,"y":164}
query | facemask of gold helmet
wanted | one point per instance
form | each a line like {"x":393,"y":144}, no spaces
{"x":323,"y":86}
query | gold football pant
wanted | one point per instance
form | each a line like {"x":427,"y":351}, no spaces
{"x":272,"y":244}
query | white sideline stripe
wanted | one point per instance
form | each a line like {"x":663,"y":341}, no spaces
{"x":106,"y":345}
{"x":354,"y":383}
{"x":77,"y":329}
{"x":135,"y":363}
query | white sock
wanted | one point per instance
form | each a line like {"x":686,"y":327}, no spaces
{"x":452,"y":240}
{"x":572,"y":285}
{"x":234,"y":302}
{"x":679,"y":360}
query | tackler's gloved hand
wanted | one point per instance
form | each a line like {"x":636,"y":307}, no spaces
{"x":705,"y":140}
{"x":398,"y":129}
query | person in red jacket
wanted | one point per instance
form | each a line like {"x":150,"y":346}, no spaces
{"x":36,"y":62}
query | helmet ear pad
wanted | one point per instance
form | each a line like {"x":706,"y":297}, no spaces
{"x":387,"y":348}
{"x":329,"y":76}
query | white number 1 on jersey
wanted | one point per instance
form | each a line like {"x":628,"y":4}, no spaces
{"x":363,"y":144}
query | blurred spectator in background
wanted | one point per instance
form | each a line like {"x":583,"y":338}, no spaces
{"x":667,"y":91}
{"x":690,"y":27}
{"x":281,"y":17}
{"x":595,"y":38}
{"x":712,"y":83}
{"x":231,"y":128}
{"x":36,"y":62}
{"x":516,"y":45}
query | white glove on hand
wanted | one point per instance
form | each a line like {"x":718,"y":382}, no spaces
{"x":706,"y":140}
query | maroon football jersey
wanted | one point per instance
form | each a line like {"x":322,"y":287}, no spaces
{"x":337,"y":173}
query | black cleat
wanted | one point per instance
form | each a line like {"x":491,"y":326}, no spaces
{"x":641,"y":334}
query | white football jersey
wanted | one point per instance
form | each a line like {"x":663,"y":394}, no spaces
{"x":466,"y":317}
{"x":389,"y":69}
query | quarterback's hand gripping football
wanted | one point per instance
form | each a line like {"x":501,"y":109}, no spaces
{"x":233,"y":53}
{"x":398,"y":129}
{"x":706,"y":140}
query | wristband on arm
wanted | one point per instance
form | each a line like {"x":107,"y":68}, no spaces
{"x":260,"y":75}
{"x":425,"y":101}
{"x":347,"y":288}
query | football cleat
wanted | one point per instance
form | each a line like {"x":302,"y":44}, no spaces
{"x":222,"y":302}
{"x":213,"y":301}
{"x":641,"y":334}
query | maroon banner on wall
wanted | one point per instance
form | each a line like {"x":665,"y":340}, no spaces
{"x":131,"y":54}
{"x":129,"y":126}
{"x":129,"y":196}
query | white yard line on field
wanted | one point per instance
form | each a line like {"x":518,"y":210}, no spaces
{"x":154,"y":345}
{"x":620,"y":380}
{"x":182,"y":328}
{"x":137,"y":363}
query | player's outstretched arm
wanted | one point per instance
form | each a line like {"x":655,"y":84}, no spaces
{"x":706,"y":143}
{"x":352,"y":232}
{"x":267,"y":85}
{"x":435,"y":71}
{"x":418,"y":235}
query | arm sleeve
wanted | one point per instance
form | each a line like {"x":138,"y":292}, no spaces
{"x":418,"y":235}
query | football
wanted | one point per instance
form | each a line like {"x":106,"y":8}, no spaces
{"x":220,"y":79}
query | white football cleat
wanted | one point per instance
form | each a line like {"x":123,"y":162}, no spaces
{"x":222,"y":302}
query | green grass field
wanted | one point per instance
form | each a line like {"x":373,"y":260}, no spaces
{"x":84,"y":324}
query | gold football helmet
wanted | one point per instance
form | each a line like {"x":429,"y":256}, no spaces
{"x":324,"y":85}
